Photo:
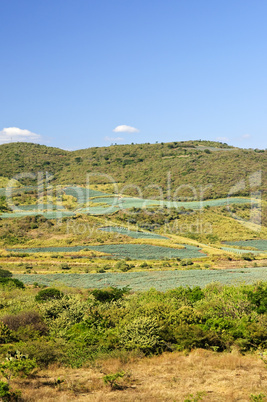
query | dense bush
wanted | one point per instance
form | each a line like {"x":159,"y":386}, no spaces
{"x":30,"y":319}
{"x":6,"y":335}
{"x":44,"y":351}
{"x":61,"y":314}
{"x":142,"y":333}
{"x":122,"y":266}
{"x":4,"y":391}
{"x":187,"y":295}
{"x":65,"y":266}
{"x":258,"y":298}
{"x":109,"y":294}
{"x":73,"y":330}
{"x":48,"y":294}
{"x":4,"y":273}
{"x":11,"y":283}
{"x":248,"y":257}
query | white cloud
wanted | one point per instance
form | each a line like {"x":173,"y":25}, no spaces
{"x":15,"y":134}
{"x":222,"y":139}
{"x":114,"y":139}
{"x":246,"y":136}
{"x":125,"y":129}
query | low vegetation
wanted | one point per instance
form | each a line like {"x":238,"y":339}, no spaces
{"x":75,"y":329}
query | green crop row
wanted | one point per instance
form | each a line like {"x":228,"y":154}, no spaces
{"x":133,"y":251}
{"x":49,"y":215}
{"x":258,"y":244}
{"x":82,"y":193}
{"x":160,"y":280}
{"x":132,"y":233}
{"x":147,"y":251}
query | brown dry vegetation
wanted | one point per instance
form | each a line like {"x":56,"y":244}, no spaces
{"x":168,"y":377}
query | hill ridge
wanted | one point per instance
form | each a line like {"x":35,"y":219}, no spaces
{"x":189,"y":166}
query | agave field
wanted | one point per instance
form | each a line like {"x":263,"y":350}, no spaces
{"x":82,"y":194}
{"x":48,"y":249}
{"x":48,"y":215}
{"x":110,"y":203}
{"x":139,"y":281}
{"x":15,"y":190}
{"x":106,"y":200}
{"x":98,"y":210}
{"x":147,"y":251}
{"x":132,"y":233}
{"x":241,"y":251}
{"x":115,"y":203}
{"x":132,"y":251}
{"x":257,"y":244}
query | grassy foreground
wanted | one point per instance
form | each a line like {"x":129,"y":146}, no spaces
{"x":184,"y":344}
{"x":199,"y":375}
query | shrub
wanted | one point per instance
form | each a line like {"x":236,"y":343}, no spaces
{"x":4,"y":273}
{"x":43,"y":351}
{"x":26,"y":318}
{"x":195,"y":398}
{"x":65,"y":266}
{"x":111,"y":379}
{"x":192,"y":336}
{"x":144,"y":265}
{"x":248,"y":257}
{"x":258,"y":299}
{"x":143,"y":334}
{"x":76,"y":354}
{"x":10,"y":283}
{"x":184,"y":315}
{"x":17,"y":365}
{"x":122,"y":266}
{"x":48,"y":294}
{"x":101,"y":270}
{"x":257,"y":398}
{"x":109,"y":294}
{"x":4,"y":391}
{"x":187,"y":295}
{"x":61,"y":314}
{"x":5,"y":333}
{"x":184,"y":263}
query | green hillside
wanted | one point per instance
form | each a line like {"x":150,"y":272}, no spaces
{"x":198,"y":164}
{"x":19,"y":157}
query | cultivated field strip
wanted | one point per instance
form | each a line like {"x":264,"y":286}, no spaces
{"x":48,"y":215}
{"x":132,"y":251}
{"x":241,"y":251}
{"x":131,"y":233}
{"x":257,"y":244}
{"x":110,"y":203}
{"x":160,"y":280}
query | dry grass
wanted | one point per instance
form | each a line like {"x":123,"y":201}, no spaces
{"x":170,"y":377}
{"x":239,"y":264}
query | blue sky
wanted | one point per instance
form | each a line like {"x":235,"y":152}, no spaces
{"x":74,"y":70}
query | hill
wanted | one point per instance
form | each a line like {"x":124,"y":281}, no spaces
{"x":180,"y":169}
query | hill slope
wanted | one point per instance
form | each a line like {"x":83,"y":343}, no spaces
{"x":194,"y":165}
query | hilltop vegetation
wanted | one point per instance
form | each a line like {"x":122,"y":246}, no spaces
{"x":208,"y":167}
